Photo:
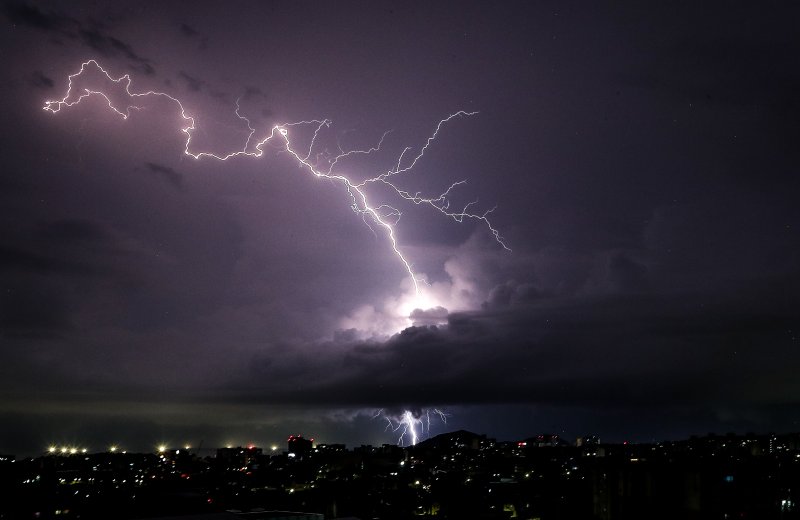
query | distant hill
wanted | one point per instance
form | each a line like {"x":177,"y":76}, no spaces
{"x":456,"y":439}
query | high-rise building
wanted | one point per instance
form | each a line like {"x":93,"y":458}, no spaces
{"x":299,"y":447}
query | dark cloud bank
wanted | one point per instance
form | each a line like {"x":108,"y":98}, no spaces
{"x":624,"y":351}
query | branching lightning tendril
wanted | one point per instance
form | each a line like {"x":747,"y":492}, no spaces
{"x":383,"y":216}
{"x":410,"y":426}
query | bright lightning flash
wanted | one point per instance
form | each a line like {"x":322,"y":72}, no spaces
{"x":411,"y":426}
{"x":383,"y":216}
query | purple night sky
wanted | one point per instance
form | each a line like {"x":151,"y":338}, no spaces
{"x":643,"y":162}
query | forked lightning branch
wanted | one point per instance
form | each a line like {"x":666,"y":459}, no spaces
{"x":382,"y":216}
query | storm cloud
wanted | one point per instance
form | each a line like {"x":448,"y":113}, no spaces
{"x":638,"y":163}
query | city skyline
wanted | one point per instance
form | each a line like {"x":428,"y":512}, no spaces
{"x":452,"y":475}
{"x":629,"y":268}
{"x":786,"y":443}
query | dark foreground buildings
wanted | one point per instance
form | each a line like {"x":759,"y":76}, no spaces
{"x":458,"y":475}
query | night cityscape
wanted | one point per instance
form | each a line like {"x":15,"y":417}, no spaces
{"x":569,"y":227}
{"x":453,"y":475}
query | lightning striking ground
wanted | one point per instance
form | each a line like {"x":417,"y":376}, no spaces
{"x":383,"y":216}
{"x":411,"y":426}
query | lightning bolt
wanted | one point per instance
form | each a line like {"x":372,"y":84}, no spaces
{"x":382,"y":216}
{"x":411,"y":426}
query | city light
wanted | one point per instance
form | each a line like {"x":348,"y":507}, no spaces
{"x":454,"y":454}
{"x":161,"y":448}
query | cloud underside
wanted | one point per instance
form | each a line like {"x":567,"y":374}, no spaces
{"x":659,"y":366}
{"x":631,"y":351}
